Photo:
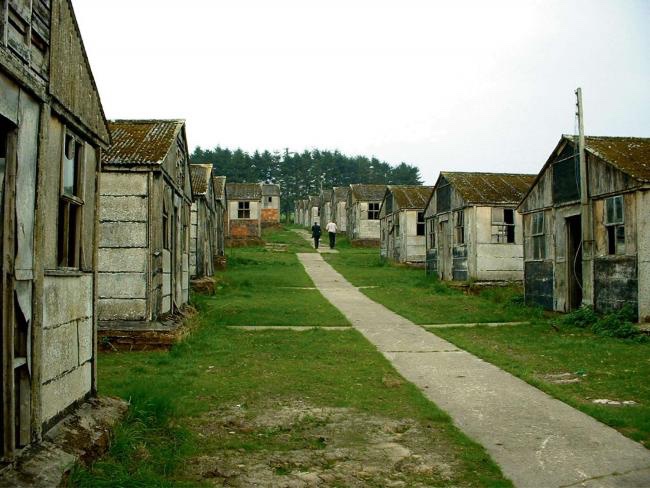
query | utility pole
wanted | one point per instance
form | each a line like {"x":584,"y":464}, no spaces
{"x":585,"y":209}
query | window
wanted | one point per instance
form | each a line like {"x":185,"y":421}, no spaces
{"x":243,"y":210}
{"x":165,"y":230}
{"x":432,"y":234}
{"x":537,"y":233}
{"x":373,"y":211}
{"x":615,"y":224}
{"x":503,"y":225}
{"x":4,"y":136}
{"x":268,"y":202}
{"x":70,"y":202}
{"x":420,"y":224}
{"x":460,"y":226}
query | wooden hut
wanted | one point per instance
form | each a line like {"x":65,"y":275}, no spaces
{"x":325,"y":205}
{"x":473,"y":230}
{"x":244,"y":211}
{"x":587,"y":240}
{"x":203,"y":222}
{"x":364,"y":203}
{"x":145,"y":202}
{"x":304,"y":219}
{"x":338,"y":207}
{"x":221,"y":209}
{"x":313,"y":211}
{"x":402,"y":223}
{"x":270,"y":204}
{"x":52,"y":132}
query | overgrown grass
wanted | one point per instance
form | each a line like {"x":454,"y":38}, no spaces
{"x":605,"y":368}
{"x":424,"y":299}
{"x":285,"y":236}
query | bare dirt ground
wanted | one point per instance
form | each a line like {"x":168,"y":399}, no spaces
{"x":311,"y":446}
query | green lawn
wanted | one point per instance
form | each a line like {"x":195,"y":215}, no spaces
{"x":214,"y":408}
{"x":423,"y":299}
{"x":605,"y":368}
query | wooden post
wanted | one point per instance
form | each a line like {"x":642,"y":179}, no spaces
{"x":585,"y":208}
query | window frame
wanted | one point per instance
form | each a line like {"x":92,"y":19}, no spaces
{"x":244,"y":210}
{"x":373,"y":210}
{"x":431,"y":233}
{"x":616,"y":242}
{"x":459,"y":227}
{"x":503,"y":232}
{"x":538,"y":235}
{"x":421,"y":225}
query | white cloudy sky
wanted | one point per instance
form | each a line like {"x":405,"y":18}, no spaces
{"x":466,"y":86}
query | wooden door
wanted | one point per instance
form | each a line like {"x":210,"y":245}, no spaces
{"x":444,"y":251}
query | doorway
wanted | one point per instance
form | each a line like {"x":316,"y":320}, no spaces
{"x":574,"y":262}
{"x":444,"y":252}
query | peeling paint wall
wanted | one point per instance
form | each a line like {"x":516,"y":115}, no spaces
{"x":270,"y":213}
{"x":359,"y":226}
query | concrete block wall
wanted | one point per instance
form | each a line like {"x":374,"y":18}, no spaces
{"x":123,"y":246}
{"x":496,"y":262}
{"x":643,"y":253}
{"x":68,"y":336}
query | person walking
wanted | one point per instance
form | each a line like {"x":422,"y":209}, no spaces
{"x":315,"y":233}
{"x":331,"y":230}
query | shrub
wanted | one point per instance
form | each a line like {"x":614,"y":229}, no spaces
{"x":583,"y":318}
{"x":618,"y":324}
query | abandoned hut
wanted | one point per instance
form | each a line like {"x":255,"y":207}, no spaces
{"x":52,"y":132}
{"x":338,"y":206}
{"x":313,"y":211}
{"x":203,"y":232}
{"x":221,"y":208}
{"x":270,"y":204}
{"x":144,"y":219}
{"x":402,"y":223}
{"x":325,"y":205}
{"x":244,"y":211}
{"x":364,"y":203}
{"x":296,"y":212}
{"x":473,"y":230}
{"x":304,"y":216}
{"x":587,"y":227}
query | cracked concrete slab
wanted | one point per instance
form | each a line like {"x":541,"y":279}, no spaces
{"x":297,"y":328}
{"x":537,"y":441}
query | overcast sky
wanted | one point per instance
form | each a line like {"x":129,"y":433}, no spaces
{"x":457,"y":86}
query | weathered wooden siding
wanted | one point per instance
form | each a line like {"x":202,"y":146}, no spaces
{"x":341,"y":216}
{"x":359,"y":226}
{"x":643,"y":252}
{"x":497,"y":261}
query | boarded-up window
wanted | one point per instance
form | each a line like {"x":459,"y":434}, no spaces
{"x":615,"y":224}
{"x":443,"y":198}
{"x":459,"y":216}
{"x":373,"y":211}
{"x":420,"y":224}
{"x":566,"y":176}
{"x":503,"y":225}
{"x":244,"y":210}
{"x":538,"y":237}
{"x":70,"y":202}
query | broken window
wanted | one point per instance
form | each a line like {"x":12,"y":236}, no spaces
{"x":4,"y":142}
{"x":165,"y":230}
{"x":460,"y":226}
{"x":70,"y":203}
{"x":537,"y":233}
{"x":432,"y":234}
{"x":244,"y":210}
{"x":503,"y":225}
{"x":615,"y":224}
{"x":373,"y":211}
{"x":420,"y":224}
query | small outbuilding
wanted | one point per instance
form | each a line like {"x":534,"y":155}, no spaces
{"x":144,"y":218}
{"x":244,"y":211}
{"x":203,"y":233}
{"x":313,"y":211}
{"x":402,"y":223}
{"x":363,"y":206}
{"x":587,"y":233}
{"x":338,"y":207}
{"x":473,"y":229}
{"x":325,"y":205}
{"x":221,"y":209}
{"x":270,"y":204}
{"x":52,"y":134}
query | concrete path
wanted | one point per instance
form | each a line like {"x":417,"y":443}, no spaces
{"x":297,"y":328}
{"x":323,"y":248}
{"x":538,"y":441}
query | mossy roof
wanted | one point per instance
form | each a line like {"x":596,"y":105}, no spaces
{"x":490,"y":188}
{"x":411,"y":196}
{"x":141,"y":141}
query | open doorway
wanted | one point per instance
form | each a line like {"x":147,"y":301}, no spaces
{"x":574,"y":262}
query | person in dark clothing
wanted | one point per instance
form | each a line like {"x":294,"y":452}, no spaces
{"x":315,"y":233}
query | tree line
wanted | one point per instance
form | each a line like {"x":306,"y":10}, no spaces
{"x":302,"y":174}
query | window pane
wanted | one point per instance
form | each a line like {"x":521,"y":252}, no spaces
{"x":497,"y":215}
{"x":609,"y":211}
{"x":508,"y":216}
{"x":69,"y":169}
{"x":620,"y":239}
{"x":618,"y":209}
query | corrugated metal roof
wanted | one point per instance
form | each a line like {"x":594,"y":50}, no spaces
{"x":200,"y":174}
{"x":370,"y":193}
{"x":244,"y":191}
{"x":502,"y":188}
{"x":270,"y":190}
{"x":410,"y":196}
{"x":341,"y":193}
{"x":631,"y":155}
{"x":219,"y":184}
{"x":141,"y":141}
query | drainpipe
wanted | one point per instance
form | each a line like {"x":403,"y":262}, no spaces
{"x":585,"y":210}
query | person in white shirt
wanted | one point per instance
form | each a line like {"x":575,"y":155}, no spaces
{"x":331,"y":229}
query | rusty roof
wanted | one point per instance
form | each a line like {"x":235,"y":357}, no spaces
{"x":340,"y":193}
{"x":490,"y":187}
{"x":410,"y":196}
{"x":244,"y":191}
{"x":219,"y":184}
{"x":141,"y":141}
{"x":368,"y":193}
{"x":200,"y":174}
{"x":631,"y":155}
{"x":270,"y":189}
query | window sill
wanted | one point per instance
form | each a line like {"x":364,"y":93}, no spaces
{"x":66,"y":272}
